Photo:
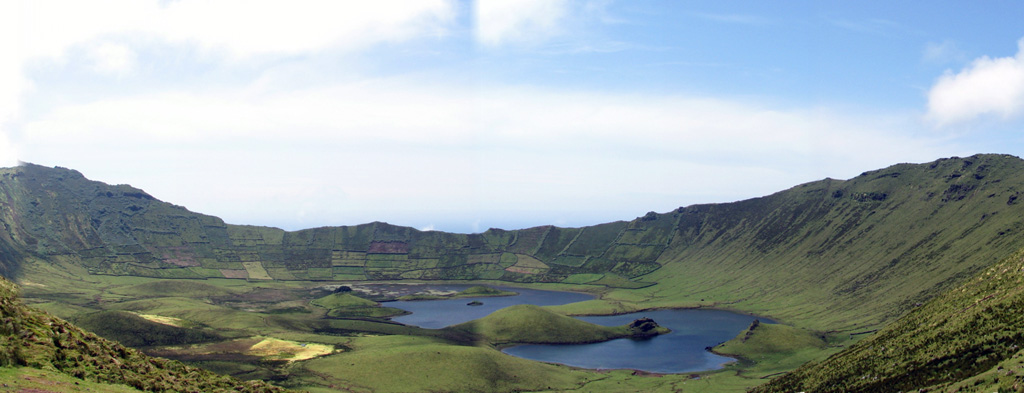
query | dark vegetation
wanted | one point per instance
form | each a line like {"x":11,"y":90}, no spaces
{"x":134,"y":331}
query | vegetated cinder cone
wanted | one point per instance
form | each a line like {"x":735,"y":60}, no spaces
{"x":970,"y":338}
{"x":32,"y":338}
{"x":530,"y":324}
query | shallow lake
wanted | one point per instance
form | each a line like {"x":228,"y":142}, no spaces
{"x":682,"y":350}
{"x":436,"y":314}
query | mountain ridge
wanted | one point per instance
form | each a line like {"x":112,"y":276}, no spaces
{"x":799,"y":254}
{"x":831,"y":257}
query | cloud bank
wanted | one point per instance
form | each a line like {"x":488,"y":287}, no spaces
{"x":988,"y":86}
{"x":518,"y":21}
{"x":391,"y":149}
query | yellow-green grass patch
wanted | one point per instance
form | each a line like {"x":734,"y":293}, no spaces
{"x":526,"y":261}
{"x":169,"y":321}
{"x":292,"y":351}
{"x":256,"y":271}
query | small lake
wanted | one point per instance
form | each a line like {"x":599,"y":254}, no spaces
{"x":682,"y":350}
{"x":436,"y":314}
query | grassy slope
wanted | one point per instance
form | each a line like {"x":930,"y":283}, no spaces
{"x":347,"y":305}
{"x":836,"y":255}
{"x":976,"y":328}
{"x":343,"y":300}
{"x":405,"y":364}
{"x":165,"y":288}
{"x":529,"y":324}
{"x":772,"y":348}
{"x":134,"y":331}
{"x":27,"y":379}
{"x":34,"y":339}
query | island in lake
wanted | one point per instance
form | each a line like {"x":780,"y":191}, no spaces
{"x":474,"y":291}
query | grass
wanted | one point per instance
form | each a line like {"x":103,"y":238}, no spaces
{"x":768,"y":349}
{"x":38,"y":340}
{"x":169,"y":321}
{"x":963,"y":334}
{"x":347,"y":305}
{"x":27,"y":379}
{"x":404,"y":364}
{"x":164,"y":288}
{"x":291,"y":351}
{"x":343,"y":300}
{"x":529,"y":324}
{"x":256,"y":271}
{"x":137,"y":331}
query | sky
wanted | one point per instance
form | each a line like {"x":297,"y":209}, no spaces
{"x":467,"y":115}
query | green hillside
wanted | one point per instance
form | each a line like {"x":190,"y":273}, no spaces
{"x":529,"y":324}
{"x":347,"y":305}
{"x":845,"y":255}
{"x":831,"y":254}
{"x":36,"y":340}
{"x":967,"y":339}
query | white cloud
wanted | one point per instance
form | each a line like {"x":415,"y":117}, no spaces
{"x":12,"y":81}
{"x":394,"y":149}
{"x":110,"y":58}
{"x":501,"y":22}
{"x":243,"y":28}
{"x":8,"y":154}
{"x":988,"y":86}
{"x":108,"y":30}
{"x":259,"y":150}
{"x":246,"y":27}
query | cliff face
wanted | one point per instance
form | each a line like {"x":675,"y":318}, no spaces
{"x":851,"y":254}
{"x":848,"y":253}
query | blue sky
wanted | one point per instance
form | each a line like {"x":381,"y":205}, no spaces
{"x":465,"y":115}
